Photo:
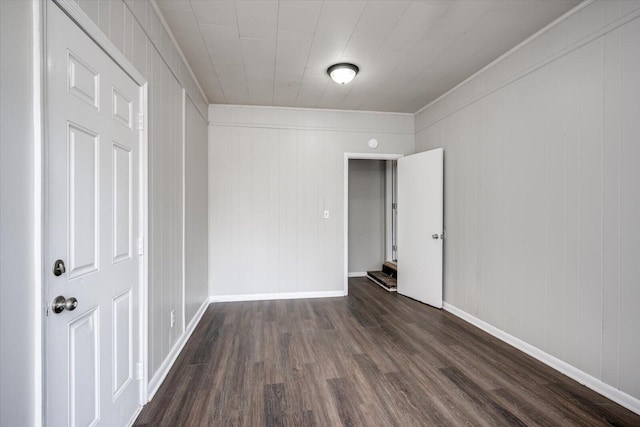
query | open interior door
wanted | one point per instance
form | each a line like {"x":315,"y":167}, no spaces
{"x":420,"y":226}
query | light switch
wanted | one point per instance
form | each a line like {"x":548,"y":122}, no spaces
{"x":326,"y":214}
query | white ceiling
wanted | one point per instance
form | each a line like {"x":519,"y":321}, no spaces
{"x":409,"y":52}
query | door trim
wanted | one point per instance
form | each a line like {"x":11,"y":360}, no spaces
{"x":39,"y":125}
{"x":390,"y":188}
{"x":80,"y":18}
{"x":345,"y":223}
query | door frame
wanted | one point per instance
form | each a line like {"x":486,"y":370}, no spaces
{"x":81,"y":19}
{"x":390,"y":187}
{"x":347,"y":157}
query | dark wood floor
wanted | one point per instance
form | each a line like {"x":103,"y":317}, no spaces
{"x":371,"y":359}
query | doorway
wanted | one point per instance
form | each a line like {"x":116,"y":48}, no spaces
{"x":372,"y":225}
{"x":372,"y":167}
{"x":420,"y":204}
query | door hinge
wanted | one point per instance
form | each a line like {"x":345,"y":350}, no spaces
{"x":140,"y":375}
{"x":141,"y":246}
{"x":394,"y":248}
{"x":140,"y":121}
{"x":394,"y":206}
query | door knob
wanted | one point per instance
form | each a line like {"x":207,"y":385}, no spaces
{"x":436,"y":236}
{"x":61,"y":304}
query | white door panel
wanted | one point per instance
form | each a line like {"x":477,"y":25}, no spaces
{"x":84,"y":370}
{"x":92,"y":224}
{"x":84,"y":235}
{"x":420,"y":226}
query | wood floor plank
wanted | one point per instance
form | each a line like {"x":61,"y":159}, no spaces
{"x":274,"y":405}
{"x":495,"y":413}
{"x":376,"y":388}
{"x":346,"y":400}
{"x":370,"y":359}
{"x":527,"y":409}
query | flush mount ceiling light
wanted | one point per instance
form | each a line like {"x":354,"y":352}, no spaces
{"x":342,"y":73}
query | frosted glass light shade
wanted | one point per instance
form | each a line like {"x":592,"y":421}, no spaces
{"x":342,"y":73}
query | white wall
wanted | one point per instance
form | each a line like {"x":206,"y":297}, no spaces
{"x":273,"y":172}
{"x":366,"y":215}
{"x":196,"y":210}
{"x":19,"y":285}
{"x":166,"y":174}
{"x":137,"y":30}
{"x":542,"y":195}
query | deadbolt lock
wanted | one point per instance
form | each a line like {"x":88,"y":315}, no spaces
{"x":59,"y":268}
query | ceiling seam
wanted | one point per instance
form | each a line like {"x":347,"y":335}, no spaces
{"x":446,"y":49}
{"x":387,"y":36}
{"x":244,"y":65}
{"x":435,"y":24}
{"x":215,"y":73}
{"x":275,"y":56}
{"x":306,"y":62}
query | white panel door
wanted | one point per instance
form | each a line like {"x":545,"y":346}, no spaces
{"x":420,"y":226}
{"x":92,"y":226}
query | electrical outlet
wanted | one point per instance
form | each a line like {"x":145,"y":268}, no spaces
{"x":173,"y":317}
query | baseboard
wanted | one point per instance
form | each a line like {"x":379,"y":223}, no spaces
{"x":284,"y":295}
{"x":161,"y":374}
{"x":571,"y":371}
{"x":358,"y":274}
{"x":135,"y":416}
